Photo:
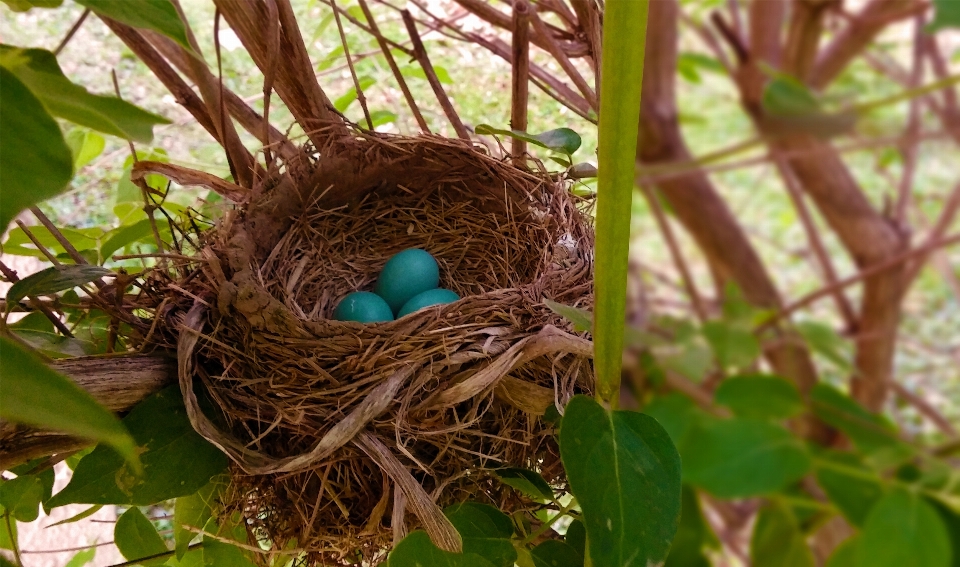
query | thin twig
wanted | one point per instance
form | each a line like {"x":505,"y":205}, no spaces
{"x":361,"y":98}
{"x":554,"y":48}
{"x":925,"y":408}
{"x":269,"y":74}
{"x":420,"y":53}
{"x":909,"y":146}
{"x":950,"y":209}
{"x":191,"y":547}
{"x":73,"y":29}
{"x":520,"y":74}
{"x":35,"y":302}
{"x":388,"y":55}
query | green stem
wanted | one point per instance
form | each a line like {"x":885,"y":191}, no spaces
{"x":15,"y":546}
{"x":549,"y":523}
{"x":908,"y":94}
{"x":624,"y":30}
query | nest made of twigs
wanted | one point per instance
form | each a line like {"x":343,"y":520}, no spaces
{"x":345,"y":435}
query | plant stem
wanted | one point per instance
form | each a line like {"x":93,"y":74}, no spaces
{"x":14,"y":545}
{"x":549,"y":523}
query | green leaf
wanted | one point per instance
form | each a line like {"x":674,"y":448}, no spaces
{"x":24,"y":5}
{"x":416,"y":550}
{"x":76,"y":518}
{"x":82,"y":557}
{"x":582,"y":319}
{"x":777,"y":540}
{"x":689,"y":356}
{"x":37,"y":163}
{"x":54,"y":280}
{"x":137,"y":537}
{"x":826,"y":342}
{"x":381,"y":117}
{"x":485,"y":531}
{"x":678,"y":415}
{"x":872,"y":434}
{"x":157,"y":15}
{"x":760,"y":396}
{"x":219,"y":554}
{"x":845,"y":555}
{"x":554,"y":553}
{"x":177,"y":461}
{"x":85,"y":145}
{"x":735,"y":458}
{"x":193,"y":510}
{"x":576,"y":536}
{"x":693,"y":535}
{"x":625,"y":472}
{"x":19,"y":244}
{"x":903,"y":529}
{"x":8,"y":532}
{"x":734,"y":347}
{"x":946,"y":15}
{"x":22,"y":496}
{"x":344,"y":101}
{"x":39,"y":71}
{"x":416,"y":72}
{"x":527,"y":482}
{"x":852,"y":487}
{"x":563,"y":140}
{"x":124,"y":236}
{"x":786,"y":96}
{"x":36,"y":395}
{"x":951,"y":520}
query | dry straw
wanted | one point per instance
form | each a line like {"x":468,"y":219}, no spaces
{"x":345,"y":436}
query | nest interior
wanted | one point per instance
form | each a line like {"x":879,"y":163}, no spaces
{"x":345,"y":435}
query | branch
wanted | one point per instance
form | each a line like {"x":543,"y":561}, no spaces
{"x":117,"y":382}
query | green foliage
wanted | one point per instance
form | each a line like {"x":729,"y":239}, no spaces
{"x":693,"y":535}
{"x":486,"y":532}
{"x":736,"y":458}
{"x":136,"y":537}
{"x":852,"y":487}
{"x":903,"y":529}
{"x":39,"y":71}
{"x":157,"y":15}
{"x":36,"y":395}
{"x":527,"y":482}
{"x":553,"y":553}
{"x":82,"y":558}
{"x":946,"y":15}
{"x":733,"y":346}
{"x":759,"y":396}
{"x":24,"y":5}
{"x":193,"y":510}
{"x":176,"y":460}
{"x":563,"y":140}
{"x":625,"y":472}
{"x":416,"y":550}
{"x":43,"y":164}
{"x":21,"y":497}
{"x":54,"y":280}
{"x":777,"y":540}
{"x":85,"y":145}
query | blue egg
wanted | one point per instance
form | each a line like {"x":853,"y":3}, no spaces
{"x":426,"y":299}
{"x":363,"y":307}
{"x":405,"y":275}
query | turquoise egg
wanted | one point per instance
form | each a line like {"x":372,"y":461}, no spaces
{"x":405,"y":275}
{"x":426,"y":299}
{"x":363,"y":307}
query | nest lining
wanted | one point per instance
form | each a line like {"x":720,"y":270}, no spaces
{"x":346,"y":435}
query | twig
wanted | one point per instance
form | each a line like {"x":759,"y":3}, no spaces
{"x":910,"y":143}
{"x":73,"y":29}
{"x":269,"y":74}
{"x":361,"y":98}
{"x":191,"y":547}
{"x":12,"y":277}
{"x":871,"y":271}
{"x":520,"y":74}
{"x":924,"y":408}
{"x":55,"y":232}
{"x":554,"y":49}
{"x":950,"y":209}
{"x":388,"y":55}
{"x":420,"y":53}
{"x":50,"y":256}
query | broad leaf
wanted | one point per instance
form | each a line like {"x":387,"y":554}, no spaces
{"x":693,"y":535}
{"x":826,"y":342}
{"x":760,"y":396}
{"x":625,"y":472}
{"x":903,"y":529}
{"x":39,"y":71}
{"x":416,"y":550}
{"x":777,"y":540}
{"x":872,"y":434}
{"x":36,"y":395}
{"x":853,"y":488}
{"x":22,"y":497}
{"x":576,"y":536}
{"x":37,"y":163}
{"x":951,"y":520}
{"x":24,"y":5}
{"x":946,"y":15}
{"x":218,"y":552}
{"x":554,"y":553}
{"x":485,"y":531}
{"x":527,"y":482}
{"x":85,"y":145}
{"x":845,"y":555}
{"x":54,"y":280}
{"x":19,"y":244}
{"x":136,"y":537}
{"x":124,"y":236}
{"x":193,"y":510}
{"x":737,"y":458}
{"x":734,"y":347}
{"x":176,"y":460}
{"x":157,"y":15}
{"x":678,"y":414}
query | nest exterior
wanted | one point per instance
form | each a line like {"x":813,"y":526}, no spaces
{"x":346,"y":435}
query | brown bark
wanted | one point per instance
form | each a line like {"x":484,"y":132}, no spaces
{"x":693,"y":198}
{"x":118,"y":383}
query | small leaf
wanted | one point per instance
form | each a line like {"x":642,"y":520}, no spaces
{"x":345,"y":100}
{"x":825,"y":342}
{"x":24,"y":5}
{"x":760,"y":396}
{"x":381,"y":117}
{"x":85,"y":145}
{"x":786,"y":96}
{"x":82,"y":557}
{"x":734,"y":347}
{"x":854,"y":492}
{"x":554,"y":553}
{"x":872,"y":434}
{"x":416,"y":550}
{"x":678,"y":415}
{"x":735,"y":458}
{"x":562,"y":140}
{"x":193,"y":510}
{"x":576,"y":536}
{"x":690,"y":356}
{"x":136,"y":536}
{"x":37,"y":163}
{"x":777,"y":540}
{"x":125,"y":236}
{"x":485,"y":531}
{"x":84,"y":514}
{"x":581,"y":318}
{"x":845,"y":555}
{"x":946,"y":15}
{"x":177,"y":461}
{"x":39,"y":71}
{"x":21,"y":497}
{"x":36,"y":395}
{"x":903,"y":529}
{"x":157,"y":15}
{"x":54,"y":280}
{"x":8,"y":532}
{"x":527,"y":482}
{"x":625,"y":472}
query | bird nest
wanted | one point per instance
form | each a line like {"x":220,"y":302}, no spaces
{"x":345,"y":435}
